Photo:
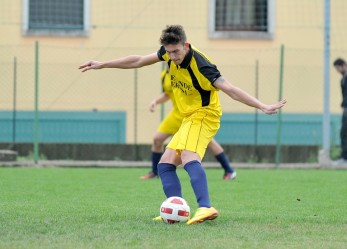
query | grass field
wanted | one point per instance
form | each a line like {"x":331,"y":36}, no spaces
{"x":112,"y":208}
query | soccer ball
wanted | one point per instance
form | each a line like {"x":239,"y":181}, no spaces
{"x":174,"y":209}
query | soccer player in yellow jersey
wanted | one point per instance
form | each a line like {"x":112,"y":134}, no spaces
{"x":170,"y":125}
{"x":195,"y":81}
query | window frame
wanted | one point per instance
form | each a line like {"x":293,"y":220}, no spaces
{"x":214,"y":34}
{"x":55,"y":32}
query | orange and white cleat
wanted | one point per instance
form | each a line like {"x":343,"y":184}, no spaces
{"x":229,"y":176}
{"x":149,"y":175}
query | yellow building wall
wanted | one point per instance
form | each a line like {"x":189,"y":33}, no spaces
{"x":122,"y":27}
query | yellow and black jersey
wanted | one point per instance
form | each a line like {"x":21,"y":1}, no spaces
{"x":166,"y":85}
{"x":192,"y":82}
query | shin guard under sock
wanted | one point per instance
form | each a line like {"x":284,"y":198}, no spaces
{"x":198,"y":180}
{"x":169,"y":179}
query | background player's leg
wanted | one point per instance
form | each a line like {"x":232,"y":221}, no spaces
{"x":221,"y":157}
{"x":157,"y":151}
{"x":343,"y":136}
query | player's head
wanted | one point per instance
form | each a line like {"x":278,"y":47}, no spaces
{"x":174,"y":40}
{"x":340,"y":65}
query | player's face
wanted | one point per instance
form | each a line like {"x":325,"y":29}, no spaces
{"x":341,"y":69}
{"x":177,"y":52}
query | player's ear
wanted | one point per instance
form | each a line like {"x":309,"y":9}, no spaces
{"x":186,"y":45}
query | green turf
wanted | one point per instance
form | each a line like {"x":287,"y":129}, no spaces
{"x":112,"y":208}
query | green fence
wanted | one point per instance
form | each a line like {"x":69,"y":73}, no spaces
{"x":64,"y":127}
{"x":110,"y":127}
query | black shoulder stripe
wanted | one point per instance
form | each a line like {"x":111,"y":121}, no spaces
{"x":206,"y":68}
{"x":205,"y":95}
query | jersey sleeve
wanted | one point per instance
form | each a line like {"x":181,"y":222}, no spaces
{"x":161,"y":53}
{"x":206,"y":67}
{"x":210,"y":72}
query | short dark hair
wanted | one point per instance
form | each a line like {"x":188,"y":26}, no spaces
{"x":172,"y":35}
{"x":339,"y":62}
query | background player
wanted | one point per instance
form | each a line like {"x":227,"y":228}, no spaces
{"x":170,"y":125}
{"x":341,"y":67}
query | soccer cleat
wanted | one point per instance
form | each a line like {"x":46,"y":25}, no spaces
{"x":149,"y":175}
{"x":203,"y":214}
{"x":158,"y":218}
{"x":229,"y":176}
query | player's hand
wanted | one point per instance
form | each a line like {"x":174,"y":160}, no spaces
{"x":152,"y":106}
{"x":272,"y":109}
{"x":90,"y":65}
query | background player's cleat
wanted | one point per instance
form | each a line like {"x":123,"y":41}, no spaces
{"x":203,"y":214}
{"x":158,"y":218}
{"x":149,"y":175}
{"x":229,"y":176}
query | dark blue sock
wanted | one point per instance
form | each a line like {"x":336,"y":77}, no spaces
{"x":169,"y":180}
{"x":198,"y":181}
{"x":155,"y":160}
{"x":223,"y":160}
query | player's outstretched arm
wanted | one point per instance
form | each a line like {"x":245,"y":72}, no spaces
{"x":243,"y":97}
{"x":273,"y":108}
{"x":131,"y":61}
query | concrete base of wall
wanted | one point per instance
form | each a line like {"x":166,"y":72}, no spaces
{"x":128,"y":152}
{"x":8,"y":156}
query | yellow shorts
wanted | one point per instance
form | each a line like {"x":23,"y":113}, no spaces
{"x":171,"y":123}
{"x":195,"y":133}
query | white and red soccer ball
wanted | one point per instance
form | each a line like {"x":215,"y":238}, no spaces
{"x":174,"y":209}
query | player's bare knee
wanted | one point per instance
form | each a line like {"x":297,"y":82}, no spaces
{"x":171,"y":157}
{"x":188,"y":156}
